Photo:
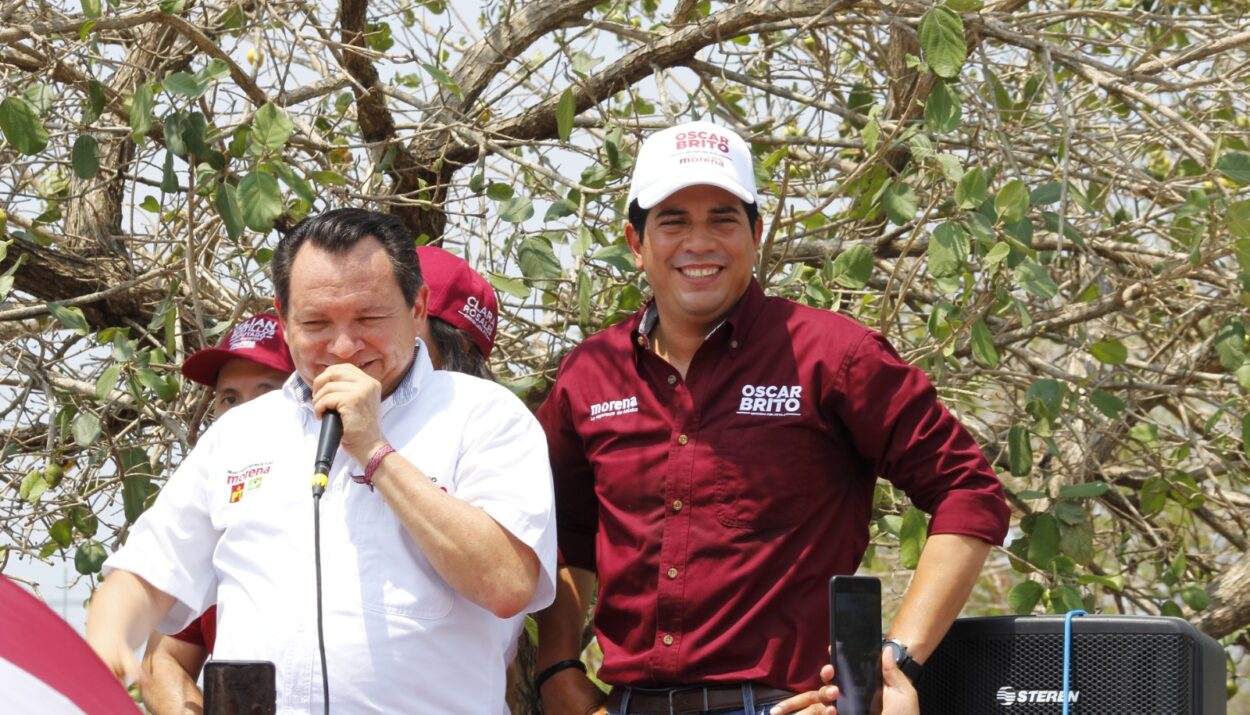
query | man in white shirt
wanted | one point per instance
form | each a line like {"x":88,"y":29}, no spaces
{"x":437,"y":524}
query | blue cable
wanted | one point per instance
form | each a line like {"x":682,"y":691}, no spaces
{"x":1067,"y":655}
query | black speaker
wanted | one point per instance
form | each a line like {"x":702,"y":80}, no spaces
{"x":1121,"y":665}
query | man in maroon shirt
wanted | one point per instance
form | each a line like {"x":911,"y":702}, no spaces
{"x":715,"y":459}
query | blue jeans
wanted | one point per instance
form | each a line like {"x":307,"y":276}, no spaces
{"x":750,"y":706}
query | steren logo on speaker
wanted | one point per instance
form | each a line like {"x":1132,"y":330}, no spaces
{"x":1008,"y":696}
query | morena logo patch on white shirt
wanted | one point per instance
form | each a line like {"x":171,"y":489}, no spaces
{"x":246,"y":480}
{"x":771,"y":400}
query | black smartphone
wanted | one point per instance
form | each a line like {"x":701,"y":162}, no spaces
{"x":855,"y":637}
{"x":240,"y":687}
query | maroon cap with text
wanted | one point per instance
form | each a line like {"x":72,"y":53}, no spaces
{"x":460,"y":296}
{"x":258,"y":339}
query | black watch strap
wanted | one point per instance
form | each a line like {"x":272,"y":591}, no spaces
{"x":910,"y":667}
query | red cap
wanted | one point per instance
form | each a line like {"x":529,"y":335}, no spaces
{"x":259,"y":339}
{"x":460,"y":296}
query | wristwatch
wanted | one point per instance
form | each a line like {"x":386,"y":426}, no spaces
{"x":910,"y":667}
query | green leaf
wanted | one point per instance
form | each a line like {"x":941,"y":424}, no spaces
{"x":1153,"y":496}
{"x":84,"y":521}
{"x":90,"y":558}
{"x":1110,"y":351}
{"x":853,"y":268}
{"x":1238,"y":219}
{"x":995,"y":256}
{"x":1076,"y":542}
{"x":1046,"y":194}
{"x":964,"y":5}
{"x":328,"y":178}
{"x":560,"y":209}
{"x":1235,"y":166}
{"x":107,"y":381}
{"x":511,"y":286}
{"x":260,"y":201}
{"x":91,"y":9}
{"x":618,"y":256}
{"x":565,"y":112}
{"x":1024,"y":597}
{"x":271,"y":128}
{"x":1012,"y":202}
{"x":499,"y":192}
{"x":911,"y":537}
{"x":40,"y":96}
{"x":538,"y":259}
{"x":1195,"y":596}
{"x":21,"y":126}
{"x":517,"y":209}
{"x":227,"y":204}
{"x":983,"y":344}
{"x":972,"y":189}
{"x":943,"y":109}
{"x":62,"y":531}
{"x":900,"y":203}
{"x":33,"y":486}
{"x":948,"y":250}
{"x":1065,"y":598}
{"x":137,"y":473}
{"x":141,"y":110}
{"x":1019,"y":451}
{"x":95,"y":101}
{"x":1034,"y":278}
{"x":185,"y":84}
{"x":172,"y":7}
{"x":871,"y":133}
{"x":1086,"y":490}
{"x":1107,"y":403}
{"x":71,"y":317}
{"x":85,"y":156}
{"x":443,"y":78}
{"x":1144,"y":432}
{"x":1044,"y":540}
{"x":1115,"y":583}
{"x":942,"y":41}
{"x":301,"y":188}
{"x":86,"y":429}
{"x":169,"y":180}
{"x":1245,"y":435}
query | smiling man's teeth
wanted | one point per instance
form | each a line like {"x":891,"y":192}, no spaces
{"x":699,"y":272}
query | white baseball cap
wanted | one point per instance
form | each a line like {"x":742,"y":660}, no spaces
{"x":692,"y":154}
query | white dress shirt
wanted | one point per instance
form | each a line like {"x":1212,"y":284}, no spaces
{"x":234,"y":526}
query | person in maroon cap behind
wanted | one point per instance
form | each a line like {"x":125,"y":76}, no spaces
{"x":463,"y":314}
{"x":251,"y":359}
{"x":460,"y":335}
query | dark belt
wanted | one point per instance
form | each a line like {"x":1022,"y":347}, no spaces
{"x":685,"y":701}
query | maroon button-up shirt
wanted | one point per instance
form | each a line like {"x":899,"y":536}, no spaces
{"x":715,"y":508}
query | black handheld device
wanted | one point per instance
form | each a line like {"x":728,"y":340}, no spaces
{"x":240,"y":687}
{"x":855,"y":637}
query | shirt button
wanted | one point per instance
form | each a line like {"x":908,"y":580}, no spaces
{"x":677,"y":505}
{"x":672,"y":379}
{"x":642,"y":341}
{"x":733,"y":343}
{"x":682,"y":440}
{"x":672,"y":572}
{"x":668,"y":639}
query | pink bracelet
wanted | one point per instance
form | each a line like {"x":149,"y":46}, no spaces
{"x":374,"y":462}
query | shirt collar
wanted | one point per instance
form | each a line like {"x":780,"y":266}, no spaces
{"x":296,"y":389}
{"x":737,"y":320}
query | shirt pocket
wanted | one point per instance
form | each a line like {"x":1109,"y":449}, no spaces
{"x":395,"y":576}
{"x":768,"y":476}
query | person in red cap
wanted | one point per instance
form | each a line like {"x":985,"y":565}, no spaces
{"x":251,"y":359}
{"x":463,"y":313}
{"x":460,"y":335}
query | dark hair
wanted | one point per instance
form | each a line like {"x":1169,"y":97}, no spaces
{"x":638,"y":216}
{"x":337,"y":232}
{"x":460,"y":353}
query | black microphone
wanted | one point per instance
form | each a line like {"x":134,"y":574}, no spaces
{"x":327,"y":445}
